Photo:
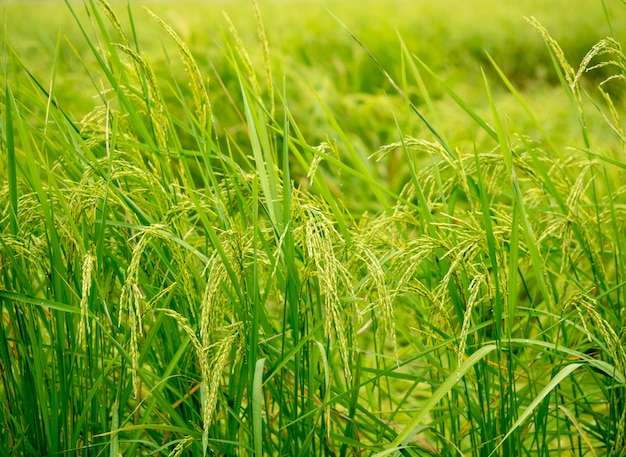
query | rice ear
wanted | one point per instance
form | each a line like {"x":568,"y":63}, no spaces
{"x":196,"y":80}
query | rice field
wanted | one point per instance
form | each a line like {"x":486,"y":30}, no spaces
{"x":284,"y":228}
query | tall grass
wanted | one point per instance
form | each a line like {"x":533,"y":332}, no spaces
{"x":172,"y":284}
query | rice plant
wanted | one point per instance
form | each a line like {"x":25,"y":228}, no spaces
{"x":189,"y":269}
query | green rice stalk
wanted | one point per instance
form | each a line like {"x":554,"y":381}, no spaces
{"x":317,"y":235}
{"x":325,"y":147}
{"x":114,"y":20}
{"x":472,"y":300}
{"x":614,"y":344}
{"x":266,"y":55}
{"x":570,"y":75}
{"x":586,"y":304}
{"x":615,"y":117}
{"x":608,"y":46}
{"x":159,"y":120}
{"x":211,"y":311}
{"x":132,"y":296}
{"x":575,"y":217}
{"x":184,"y":324}
{"x":181,"y":446}
{"x":196,"y":81}
{"x":243,"y":54}
{"x":384,"y":301}
{"x":212,"y":371}
{"x":87,"y":279}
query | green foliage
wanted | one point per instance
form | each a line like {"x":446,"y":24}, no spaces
{"x":278,"y":241}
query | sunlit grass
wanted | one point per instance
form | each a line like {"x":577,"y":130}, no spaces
{"x":232,"y":252}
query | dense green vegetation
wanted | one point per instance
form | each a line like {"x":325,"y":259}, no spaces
{"x":293,"y":228}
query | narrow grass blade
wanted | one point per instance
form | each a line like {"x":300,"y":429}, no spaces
{"x":12,"y":167}
{"x":459,"y":100}
{"x":571,"y":416}
{"x":491,"y":243}
{"x":115,"y":425}
{"x":554,"y":382}
{"x":257,"y":408}
{"x":358,"y":162}
{"x":50,"y":304}
{"x":601,"y":365}
{"x":441,"y":392}
{"x":423,"y":118}
{"x":263,"y":159}
{"x":513,"y":273}
{"x":409,"y":58}
{"x":531,"y":241}
{"x":522,"y":103}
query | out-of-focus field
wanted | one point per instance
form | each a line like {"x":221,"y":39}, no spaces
{"x":311,"y":50}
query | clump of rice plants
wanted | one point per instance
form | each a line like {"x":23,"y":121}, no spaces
{"x":180,"y":276}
